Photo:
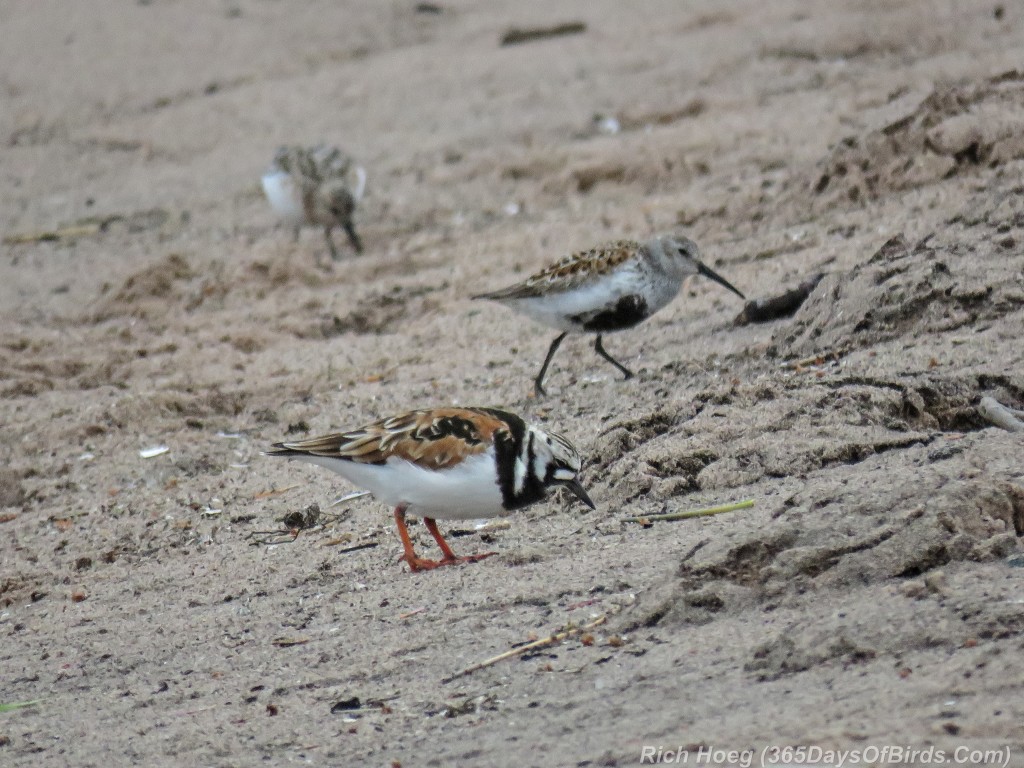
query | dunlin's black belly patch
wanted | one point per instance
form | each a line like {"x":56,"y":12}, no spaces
{"x":625,"y":313}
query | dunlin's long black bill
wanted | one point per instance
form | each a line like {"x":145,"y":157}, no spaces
{"x":576,"y":488}
{"x":708,"y":272}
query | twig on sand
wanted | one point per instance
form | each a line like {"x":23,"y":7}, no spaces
{"x":272,"y":538}
{"x":274,"y":492}
{"x":516,"y":36}
{"x":288,"y":642}
{"x":691,"y":513}
{"x":544,"y":641}
{"x":816,"y":360}
{"x":93,"y":225}
{"x":18,"y":705}
{"x":997,"y":413}
{"x":64,"y":233}
{"x":359,"y":547}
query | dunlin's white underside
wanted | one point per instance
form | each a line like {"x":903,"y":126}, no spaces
{"x":556,"y":309}
{"x":284,"y":197}
{"x":360,"y":187}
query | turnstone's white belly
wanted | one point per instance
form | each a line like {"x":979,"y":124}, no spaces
{"x":467,"y":491}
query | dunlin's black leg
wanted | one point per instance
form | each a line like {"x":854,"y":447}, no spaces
{"x":600,"y":350}
{"x":353,"y":237}
{"x":330,"y":244}
{"x":538,"y":383}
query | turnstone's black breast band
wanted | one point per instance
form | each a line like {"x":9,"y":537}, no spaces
{"x":625,"y":313}
{"x":510,"y":445}
{"x":532,"y":486}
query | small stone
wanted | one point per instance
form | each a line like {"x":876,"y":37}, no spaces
{"x":957,"y":134}
{"x":11,"y":492}
{"x":346,"y":705}
{"x":935,"y":581}
{"x":915,"y":589}
{"x":1003,"y":544}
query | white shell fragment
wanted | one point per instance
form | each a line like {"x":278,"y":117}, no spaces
{"x":349,"y":497}
{"x":486,"y":526}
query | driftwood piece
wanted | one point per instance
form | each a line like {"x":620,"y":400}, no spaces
{"x":997,"y":413}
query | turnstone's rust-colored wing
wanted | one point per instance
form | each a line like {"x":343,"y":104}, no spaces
{"x":438,"y":438}
{"x":570,"y":272}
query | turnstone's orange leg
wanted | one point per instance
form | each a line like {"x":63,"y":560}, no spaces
{"x":415,"y":563}
{"x":450,"y":558}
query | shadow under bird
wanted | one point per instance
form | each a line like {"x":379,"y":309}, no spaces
{"x":609,"y":288}
{"x":447,"y":464}
{"x":316,"y":186}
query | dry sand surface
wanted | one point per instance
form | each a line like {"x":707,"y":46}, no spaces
{"x":870,"y":597}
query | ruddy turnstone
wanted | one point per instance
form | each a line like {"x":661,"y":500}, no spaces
{"x":447,"y":463}
{"x":319,"y":186}
{"x":608,"y":288}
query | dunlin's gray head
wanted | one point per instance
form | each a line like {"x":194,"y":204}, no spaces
{"x":679,"y":257}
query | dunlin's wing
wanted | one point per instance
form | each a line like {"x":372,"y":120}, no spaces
{"x":330,"y":162}
{"x":569,"y":273}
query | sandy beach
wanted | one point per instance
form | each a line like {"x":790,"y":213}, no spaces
{"x":169,"y":596}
